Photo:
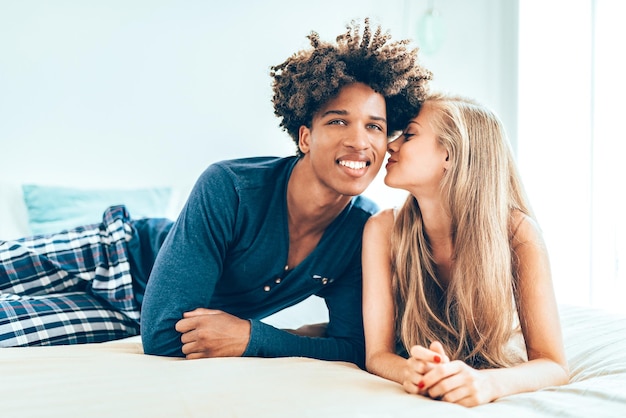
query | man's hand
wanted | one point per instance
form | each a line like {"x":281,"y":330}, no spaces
{"x":213,"y":333}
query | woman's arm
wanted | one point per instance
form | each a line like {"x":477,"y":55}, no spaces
{"x":538,"y":312}
{"x":547,"y":365}
{"x":378,"y":305}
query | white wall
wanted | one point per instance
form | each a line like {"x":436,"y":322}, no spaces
{"x":572,"y":145}
{"x":143,"y":92}
{"x":555,"y":132}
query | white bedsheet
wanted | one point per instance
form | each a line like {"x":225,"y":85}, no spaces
{"x":117,"y":380}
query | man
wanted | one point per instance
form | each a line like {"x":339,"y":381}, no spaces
{"x":260,"y":234}
{"x":256,"y":235}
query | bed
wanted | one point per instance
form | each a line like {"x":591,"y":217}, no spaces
{"x":116,"y":379}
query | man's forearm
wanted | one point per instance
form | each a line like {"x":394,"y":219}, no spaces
{"x":267,"y":341}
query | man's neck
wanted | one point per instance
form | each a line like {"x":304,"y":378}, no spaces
{"x":311,"y":206}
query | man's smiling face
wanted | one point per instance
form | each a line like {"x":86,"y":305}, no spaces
{"x":347,"y":141}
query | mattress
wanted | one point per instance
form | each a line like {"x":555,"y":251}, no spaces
{"x":117,"y":379}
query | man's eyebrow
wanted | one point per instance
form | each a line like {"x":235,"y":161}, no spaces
{"x":345,"y":112}
{"x":334,"y":112}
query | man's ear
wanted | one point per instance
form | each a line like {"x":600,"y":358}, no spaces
{"x":304,"y":139}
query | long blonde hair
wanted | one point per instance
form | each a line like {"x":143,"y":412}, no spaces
{"x":474,"y":316}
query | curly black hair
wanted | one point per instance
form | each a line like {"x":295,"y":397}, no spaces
{"x":310,"y":78}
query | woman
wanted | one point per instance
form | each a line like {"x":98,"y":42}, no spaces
{"x":451,"y":277}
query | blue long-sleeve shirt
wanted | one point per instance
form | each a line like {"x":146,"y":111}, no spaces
{"x":228,"y":250}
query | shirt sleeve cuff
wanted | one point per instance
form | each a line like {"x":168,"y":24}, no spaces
{"x":256,"y":336}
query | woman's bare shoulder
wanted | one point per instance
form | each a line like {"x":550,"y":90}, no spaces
{"x":383,"y":219}
{"x":379,"y":224}
{"x":524,"y":229}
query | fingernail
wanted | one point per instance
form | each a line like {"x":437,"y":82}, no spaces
{"x":437,"y":359}
{"x":420,"y":385}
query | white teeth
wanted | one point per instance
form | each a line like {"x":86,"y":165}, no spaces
{"x":355,"y":165}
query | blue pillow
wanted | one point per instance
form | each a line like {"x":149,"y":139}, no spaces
{"x":53,"y":209}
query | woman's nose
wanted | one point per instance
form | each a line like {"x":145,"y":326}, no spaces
{"x":392,"y":146}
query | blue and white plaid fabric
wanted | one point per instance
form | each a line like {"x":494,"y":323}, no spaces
{"x":68,"y":288}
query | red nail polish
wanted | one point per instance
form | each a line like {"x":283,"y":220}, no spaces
{"x":420,"y":385}
{"x":437,"y":359}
